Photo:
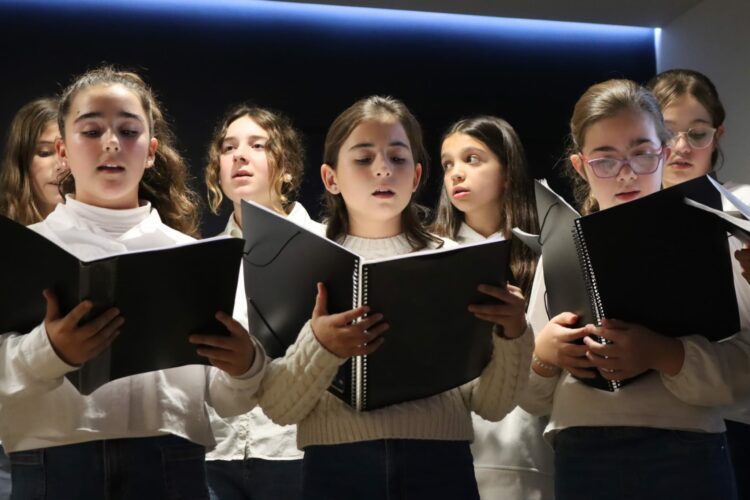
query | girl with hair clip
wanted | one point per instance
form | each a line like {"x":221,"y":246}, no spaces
{"x":695,"y":115}
{"x":373,"y":165}
{"x":142,"y":436}
{"x":30,"y":169}
{"x":29,"y":184}
{"x":661,"y":433}
{"x":487,"y":191}
{"x":257,"y":155}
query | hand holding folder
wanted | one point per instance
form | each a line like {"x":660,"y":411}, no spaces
{"x":648,"y":262}
{"x":349,"y":333}
{"x":74,"y":339}
{"x":433,"y":344}
{"x":163,"y":294}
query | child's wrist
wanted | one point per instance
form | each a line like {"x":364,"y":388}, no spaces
{"x":670,"y":356}
{"x":511,"y":332}
{"x":544,"y":368}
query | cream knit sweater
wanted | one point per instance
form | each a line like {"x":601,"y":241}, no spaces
{"x":294,"y":389}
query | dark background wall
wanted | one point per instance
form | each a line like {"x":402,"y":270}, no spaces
{"x":313,"y":61}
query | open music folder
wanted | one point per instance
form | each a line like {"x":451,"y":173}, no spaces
{"x":164,"y":295}
{"x":434,"y":343}
{"x":654,"y":261}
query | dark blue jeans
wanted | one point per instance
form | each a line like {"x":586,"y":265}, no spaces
{"x":626,"y":463}
{"x":4,"y":475}
{"x":391,"y":469}
{"x":738,"y":436}
{"x":254,"y":479}
{"x":164,"y":467}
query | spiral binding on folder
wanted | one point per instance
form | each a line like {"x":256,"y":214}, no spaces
{"x":361,"y":277}
{"x":356,"y":389}
{"x":362,"y":382}
{"x":597,"y":307}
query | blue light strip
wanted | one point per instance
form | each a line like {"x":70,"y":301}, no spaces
{"x":349,"y":18}
{"x":657,"y":49}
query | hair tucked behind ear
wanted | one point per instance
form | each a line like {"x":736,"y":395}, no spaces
{"x":517,"y":209}
{"x":600,"y":101}
{"x":18,"y":201}
{"x":166,"y":184}
{"x":385,"y":109}
{"x":284,"y":150}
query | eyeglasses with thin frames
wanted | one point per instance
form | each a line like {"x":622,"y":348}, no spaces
{"x":697,"y":138}
{"x":641,"y":164}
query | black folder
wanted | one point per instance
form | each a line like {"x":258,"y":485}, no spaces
{"x":164,"y":295}
{"x":654,"y":261}
{"x":434,"y":343}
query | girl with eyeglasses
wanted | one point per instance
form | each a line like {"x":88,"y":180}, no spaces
{"x":694,"y":113}
{"x":664,"y":430}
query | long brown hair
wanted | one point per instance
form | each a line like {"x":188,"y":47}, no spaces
{"x":18,"y":201}
{"x":284,"y":150}
{"x":166,"y":183}
{"x":376,"y":108}
{"x":670,"y":85}
{"x":600,"y":101}
{"x":517,"y":209}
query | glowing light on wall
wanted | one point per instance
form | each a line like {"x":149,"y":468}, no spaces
{"x":345,"y":19}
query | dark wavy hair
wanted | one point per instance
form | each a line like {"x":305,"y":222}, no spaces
{"x":284,"y":149}
{"x":166,"y":184}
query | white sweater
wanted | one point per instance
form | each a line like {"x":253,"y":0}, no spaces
{"x":691,"y":400}
{"x":40,"y":408}
{"x":511,"y":459}
{"x":253,"y":434}
{"x":295,"y":387}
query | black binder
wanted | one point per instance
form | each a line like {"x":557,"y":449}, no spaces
{"x":164,"y":295}
{"x":660,"y":263}
{"x":434,"y":343}
{"x":654,"y":261}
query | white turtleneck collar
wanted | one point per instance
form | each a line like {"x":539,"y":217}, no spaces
{"x":112,"y":222}
{"x":376,"y":248}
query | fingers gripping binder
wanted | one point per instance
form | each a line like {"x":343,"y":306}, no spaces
{"x":434,"y":343}
{"x":648,"y":261}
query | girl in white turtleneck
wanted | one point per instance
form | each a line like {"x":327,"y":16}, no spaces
{"x":142,"y":436}
{"x":487,"y":191}
{"x":374,"y":161}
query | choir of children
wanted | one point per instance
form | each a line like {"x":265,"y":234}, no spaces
{"x":96,"y":171}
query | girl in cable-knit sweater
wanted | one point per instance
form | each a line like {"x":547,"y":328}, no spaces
{"x":373,"y":164}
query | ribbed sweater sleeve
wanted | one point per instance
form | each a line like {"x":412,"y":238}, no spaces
{"x":294,"y":383}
